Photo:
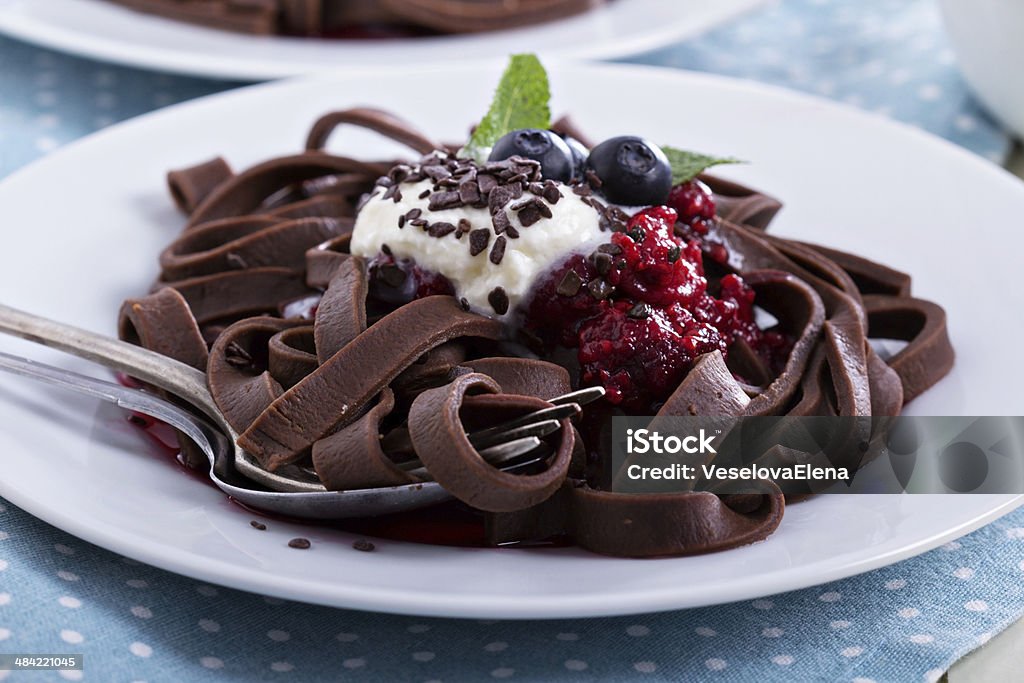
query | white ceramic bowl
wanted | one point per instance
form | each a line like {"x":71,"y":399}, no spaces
{"x":988,"y":37}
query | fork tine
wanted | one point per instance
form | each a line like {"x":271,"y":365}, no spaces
{"x":581,"y":397}
{"x":542,"y":428}
{"x":495,"y":455}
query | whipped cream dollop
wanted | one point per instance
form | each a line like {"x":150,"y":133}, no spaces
{"x":455,"y":229}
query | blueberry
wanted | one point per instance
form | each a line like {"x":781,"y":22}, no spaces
{"x":555,"y":157}
{"x":579,"y":156}
{"x":632,"y":171}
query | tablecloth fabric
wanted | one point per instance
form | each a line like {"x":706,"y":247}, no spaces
{"x":906,"y":622}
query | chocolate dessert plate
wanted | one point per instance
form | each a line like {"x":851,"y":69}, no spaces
{"x":82,"y":226}
{"x":105,"y":31}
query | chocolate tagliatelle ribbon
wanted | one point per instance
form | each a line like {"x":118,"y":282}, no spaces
{"x":317,"y":17}
{"x":351,"y":390}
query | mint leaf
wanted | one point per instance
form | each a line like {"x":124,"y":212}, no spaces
{"x":688,"y":165}
{"x":520,"y":101}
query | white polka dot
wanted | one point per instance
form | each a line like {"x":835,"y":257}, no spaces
{"x":67,"y":576}
{"x":46,"y":98}
{"x":715,"y":664}
{"x":964,"y":573}
{"x":951,"y":546}
{"x":140,"y":649}
{"x":5,"y":598}
{"x":831,"y":596}
{"x":772,"y":632}
{"x":922,"y":638}
{"x":279,"y":636}
{"x":497,"y":646}
{"x":645,"y":667}
{"x":71,"y":674}
{"x":207,"y":591}
{"x":908,"y":612}
{"x":895,"y":584}
{"x":762,"y":604}
{"x":1016,"y":532}
{"x":900,"y":76}
{"x":4,"y":535}
{"x":976,"y":606}
{"x":503,"y":673}
{"x":705,"y":631}
{"x":346,"y":637}
{"x":5,"y":633}
{"x":63,"y":549}
{"x":354,"y":663}
{"x":3,"y":565}
{"x":73,"y":637}
{"x":69,"y":602}
{"x":281,"y":667}
{"x":965,"y":123}
{"x":637,"y":631}
{"x":423,"y":656}
{"x":933,"y":675}
{"x":142,"y":612}
{"x":47,"y":121}
{"x":211,"y":662}
{"x":136,"y":583}
{"x":567,"y":636}
{"x":418,"y":628}
{"x":209,"y":625}
{"x":851,"y":651}
{"x":861,"y":679}
{"x":929,"y":92}
{"x":1020,"y":565}
{"x":984,"y":638}
{"x":783,"y":660}
{"x":575,"y":665}
{"x":46,"y":144}
{"x":3,"y":508}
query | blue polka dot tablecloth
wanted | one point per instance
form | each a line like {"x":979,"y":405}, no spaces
{"x":907,"y":622}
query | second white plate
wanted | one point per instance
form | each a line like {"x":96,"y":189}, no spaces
{"x":82,"y":230}
{"x":97,"y":29}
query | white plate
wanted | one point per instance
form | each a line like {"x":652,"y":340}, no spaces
{"x":83,"y":227}
{"x":92,"y":28}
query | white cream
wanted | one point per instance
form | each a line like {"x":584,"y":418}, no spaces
{"x":573,"y":227}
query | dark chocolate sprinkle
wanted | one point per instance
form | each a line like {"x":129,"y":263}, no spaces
{"x":621,"y":265}
{"x":385,"y":249}
{"x":536,"y":189}
{"x":401,"y":221}
{"x":529,"y":215}
{"x":673,"y":254}
{"x":498,"y":251}
{"x":469,"y":192}
{"x":464,"y":304}
{"x":500,"y":222}
{"x":610,"y":248}
{"x":552,"y":193}
{"x":300,"y":543}
{"x":424,"y":194}
{"x":364,"y":546}
{"x":441,"y":229}
{"x":498,"y":299}
{"x":498,"y":198}
{"x":397,"y":194}
{"x":413,"y":214}
{"x":602,"y":262}
{"x":636,"y":234}
{"x":640,"y":310}
{"x":444,"y":200}
{"x":463,"y":227}
{"x":582,"y":190}
{"x":419,"y":222}
{"x":593,"y":180}
{"x":478,"y":241}
{"x":487,"y":183}
{"x":258,"y":525}
{"x":570,"y":284}
{"x":600,"y":289}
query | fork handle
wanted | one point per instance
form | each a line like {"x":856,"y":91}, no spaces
{"x":150,"y":367}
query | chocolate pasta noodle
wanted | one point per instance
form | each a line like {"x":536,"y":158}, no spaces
{"x":347,"y":17}
{"x":319,"y":357}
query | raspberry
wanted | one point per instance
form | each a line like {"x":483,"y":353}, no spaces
{"x":654,"y":267}
{"x":695,"y":205}
{"x":561,"y":301}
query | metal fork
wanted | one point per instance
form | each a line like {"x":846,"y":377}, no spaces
{"x":229,"y":463}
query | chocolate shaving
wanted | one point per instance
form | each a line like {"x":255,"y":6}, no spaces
{"x":498,"y":299}
{"x":478,"y":241}
{"x":498,"y":251}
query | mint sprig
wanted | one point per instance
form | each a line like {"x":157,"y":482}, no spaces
{"x":520,"y":101}
{"x":688,"y":165}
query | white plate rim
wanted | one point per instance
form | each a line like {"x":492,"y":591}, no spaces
{"x":400,"y":602}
